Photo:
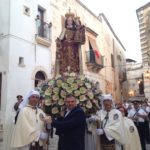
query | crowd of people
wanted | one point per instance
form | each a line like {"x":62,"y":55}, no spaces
{"x":113,"y":127}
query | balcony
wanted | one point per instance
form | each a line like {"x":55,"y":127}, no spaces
{"x":91,"y":62}
{"x":43,"y":32}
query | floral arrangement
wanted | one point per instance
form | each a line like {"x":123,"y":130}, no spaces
{"x":54,"y":91}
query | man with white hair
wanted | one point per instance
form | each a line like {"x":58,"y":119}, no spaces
{"x":111,"y":130}
{"x":29,"y":131}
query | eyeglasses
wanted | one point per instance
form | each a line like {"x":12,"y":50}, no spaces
{"x":35,"y":97}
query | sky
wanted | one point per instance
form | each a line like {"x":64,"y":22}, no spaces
{"x":122,"y":17}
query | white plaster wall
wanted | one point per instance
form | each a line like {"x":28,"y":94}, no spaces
{"x":4,"y":64}
{"x":24,"y":26}
{"x":21,"y":25}
{"x":4,"y":50}
{"x":4,"y":53}
{"x":19,"y":79}
{"x":4,"y":17}
{"x":19,"y":41}
{"x":44,"y":57}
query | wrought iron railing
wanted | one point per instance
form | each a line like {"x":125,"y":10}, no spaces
{"x":90,"y":56}
{"x":43,"y":29}
{"x":91,"y":61}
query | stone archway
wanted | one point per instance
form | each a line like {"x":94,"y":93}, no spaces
{"x":39,"y":76}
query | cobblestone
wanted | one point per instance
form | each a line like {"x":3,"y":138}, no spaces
{"x":53,"y":143}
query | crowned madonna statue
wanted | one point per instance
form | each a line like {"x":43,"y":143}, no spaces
{"x":68,"y":45}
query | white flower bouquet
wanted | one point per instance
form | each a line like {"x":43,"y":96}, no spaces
{"x":55,"y":90}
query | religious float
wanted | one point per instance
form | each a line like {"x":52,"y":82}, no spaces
{"x":68,"y":78}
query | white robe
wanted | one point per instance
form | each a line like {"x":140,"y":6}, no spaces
{"x":114,"y":128}
{"x":133,"y":136}
{"x":28,"y":128}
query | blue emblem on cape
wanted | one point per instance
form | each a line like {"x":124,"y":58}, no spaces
{"x":131,"y":129}
{"x":116,"y":116}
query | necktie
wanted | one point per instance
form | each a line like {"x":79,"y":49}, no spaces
{"x":106,"y":119}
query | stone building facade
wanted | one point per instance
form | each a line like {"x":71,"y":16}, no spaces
{"x":25,"y":55}
{"x":135,"y":80}
{"x":143,"y":15}
{"x":28,"y":51}
{"x":108,"y":65}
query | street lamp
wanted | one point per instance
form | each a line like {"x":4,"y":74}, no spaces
{"x":131,"y":93}
{"x":139,"y":81}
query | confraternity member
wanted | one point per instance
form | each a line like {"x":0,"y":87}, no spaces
{"x":29,"y":131}
{"x":132,"y":133}
{"x":111,"y":131}
{"x":138,"y":115}
{"x":92,"y":140}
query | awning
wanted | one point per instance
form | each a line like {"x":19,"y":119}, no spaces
{"x":96,"y":51}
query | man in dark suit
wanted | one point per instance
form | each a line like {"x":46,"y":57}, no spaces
{"x":71,"y":127}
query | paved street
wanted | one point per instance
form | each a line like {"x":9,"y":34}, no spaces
{"x":53,"y":144}
{"x":148,"y":147}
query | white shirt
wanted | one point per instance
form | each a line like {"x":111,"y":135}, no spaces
{"x":68,"y":111}
{"x":140,"y":111}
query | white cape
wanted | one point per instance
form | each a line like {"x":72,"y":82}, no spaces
{"x":133,"y":136}
{"x":114,"y":128}
{"x":28,"y":127}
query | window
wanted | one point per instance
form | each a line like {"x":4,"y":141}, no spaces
{"x":41,"y":13}
{"x":40,"y":18}
{"x":21,"y":61}
{"x":43,"y":28}
{"x":112,"y":60}
{"x":95,"y":60}
{"x":95,"y":56}
{"x":141,"y":87}
{"x":91,"y":54}
{"x":26,"y":10}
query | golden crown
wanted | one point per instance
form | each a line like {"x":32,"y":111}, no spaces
{"x":77,"y":18}
{"x":69,"y":14}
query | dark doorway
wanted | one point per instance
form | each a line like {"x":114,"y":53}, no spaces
{"x":40,"y":76}
{"x":141,"y":87}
